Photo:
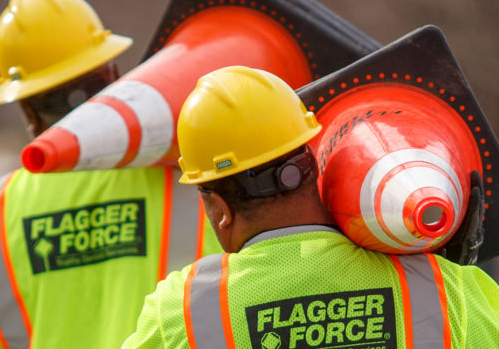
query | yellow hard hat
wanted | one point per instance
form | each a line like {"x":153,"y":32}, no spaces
{"x":44,"y":43}
{"x":238,"y":118}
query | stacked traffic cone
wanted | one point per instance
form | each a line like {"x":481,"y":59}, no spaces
{"x":402,"y":133}
{"x":133,"y":121}
{"x":387,"y":168}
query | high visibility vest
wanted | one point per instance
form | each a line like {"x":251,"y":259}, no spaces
{"x":81,"y":250}
{"x":310,"y":287}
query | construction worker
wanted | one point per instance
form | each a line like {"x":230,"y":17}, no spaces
{"x":80,"y":250}
{"x":289,"y":278}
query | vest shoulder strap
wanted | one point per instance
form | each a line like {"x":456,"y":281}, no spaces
{"x":15,"y":328}
{"x":426,"y":318}
{"x":206,"y":307}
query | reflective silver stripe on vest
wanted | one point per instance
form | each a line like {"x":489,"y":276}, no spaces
{"x":206,"y":313}
{"x":11,"y":321}
{"x":184,"y":224}
{"x":298,"y":229}
{"x":427,"y":317}
{"x":3,"y":179}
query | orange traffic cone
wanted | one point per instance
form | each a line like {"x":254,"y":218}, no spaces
{"x":394,"y":170}
{"x":133,"y":121}
{"x":402,"y":133}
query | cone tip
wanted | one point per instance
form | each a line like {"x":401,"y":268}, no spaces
{"x":56,"y":150}
{"x":434,"y":217}
{"x":39,"y":156}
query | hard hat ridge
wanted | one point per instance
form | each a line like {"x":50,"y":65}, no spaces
{"x":213,"y":86}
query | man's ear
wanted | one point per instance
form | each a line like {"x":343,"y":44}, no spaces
{"x":221,"y":218}
{"x":34,"y":124}
{"x":225,"y":213}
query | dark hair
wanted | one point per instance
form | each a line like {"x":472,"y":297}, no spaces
{"x":238,"y":198}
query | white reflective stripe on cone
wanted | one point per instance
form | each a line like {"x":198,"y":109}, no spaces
{"x":375,"y":177}
{"x":400,"y":187}
{"x":154,"y":115}
{"x":426,"y":310}
{"x":101,"y":132}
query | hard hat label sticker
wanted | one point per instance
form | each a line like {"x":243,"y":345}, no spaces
{"x":224,"y":164}
{"x":362,"y":319}
{"x":86,"y":235}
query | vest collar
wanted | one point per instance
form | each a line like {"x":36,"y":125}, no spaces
{"x":285,"y":231}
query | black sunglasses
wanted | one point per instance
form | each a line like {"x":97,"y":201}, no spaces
{"x":64,"y":98}
{"x":205,"y":190}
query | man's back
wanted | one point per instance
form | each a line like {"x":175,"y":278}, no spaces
{"x":81,"y":250}
{"x":300,"y":288}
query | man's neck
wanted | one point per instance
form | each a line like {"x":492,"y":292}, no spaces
{"x":291,"y":212}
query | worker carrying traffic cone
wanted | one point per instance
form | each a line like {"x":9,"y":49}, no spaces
{"x":288,"y":278}
{"x":298,"y":41}
{"x":400,"y":140}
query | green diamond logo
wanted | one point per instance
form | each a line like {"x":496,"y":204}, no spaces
{"x":271,"y":340}
{"x":43,"y":248}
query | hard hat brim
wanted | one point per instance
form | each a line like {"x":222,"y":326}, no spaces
{"x":64,"y":71}
{"x":245,"y":165}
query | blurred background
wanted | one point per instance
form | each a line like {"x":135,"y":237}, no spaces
{"x":471,"y":28}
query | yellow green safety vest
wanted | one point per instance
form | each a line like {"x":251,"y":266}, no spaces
{"x":81,"y":250}
{"x":310,"y":287}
